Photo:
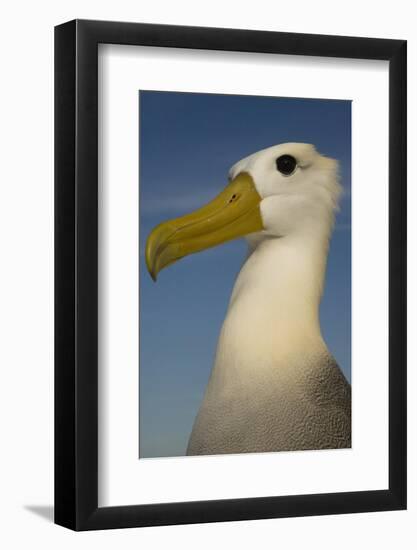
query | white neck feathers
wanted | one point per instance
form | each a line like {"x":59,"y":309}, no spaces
{"x":273,"y":315}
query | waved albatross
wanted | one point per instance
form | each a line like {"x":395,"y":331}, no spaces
{"x":274,"y":385}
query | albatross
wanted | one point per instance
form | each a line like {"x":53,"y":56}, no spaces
{"x":274,"y":385}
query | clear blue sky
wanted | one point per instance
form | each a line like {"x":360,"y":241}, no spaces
{"x":187,"y":144}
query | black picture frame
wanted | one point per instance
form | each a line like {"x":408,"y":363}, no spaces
{"x":76,"y":272}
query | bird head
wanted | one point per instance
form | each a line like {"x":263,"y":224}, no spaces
{"x":283,"y":190}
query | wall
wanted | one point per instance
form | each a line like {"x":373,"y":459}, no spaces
{"x":26,"y":290}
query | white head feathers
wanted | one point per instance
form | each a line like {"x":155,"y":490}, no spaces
{"x":301,"y":198}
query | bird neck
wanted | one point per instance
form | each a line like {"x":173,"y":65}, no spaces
{"x":273,"y":315}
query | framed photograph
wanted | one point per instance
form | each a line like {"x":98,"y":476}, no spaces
{"x":230,"y":275}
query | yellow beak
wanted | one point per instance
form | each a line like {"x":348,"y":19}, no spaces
{"x":233,"y":213}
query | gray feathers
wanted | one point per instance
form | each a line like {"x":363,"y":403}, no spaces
{"x":312,"y":410}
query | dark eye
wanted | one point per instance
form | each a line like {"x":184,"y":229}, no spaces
{"x":286,"y":164}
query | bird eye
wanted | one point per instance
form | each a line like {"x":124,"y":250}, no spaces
{"x":286,"y":164}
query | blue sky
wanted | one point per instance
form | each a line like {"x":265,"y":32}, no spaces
{"x":187,"y":144}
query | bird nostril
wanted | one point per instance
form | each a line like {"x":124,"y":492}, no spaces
{"x":233,"y":198}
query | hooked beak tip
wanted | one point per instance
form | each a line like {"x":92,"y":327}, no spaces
{"x":150,"y":261}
